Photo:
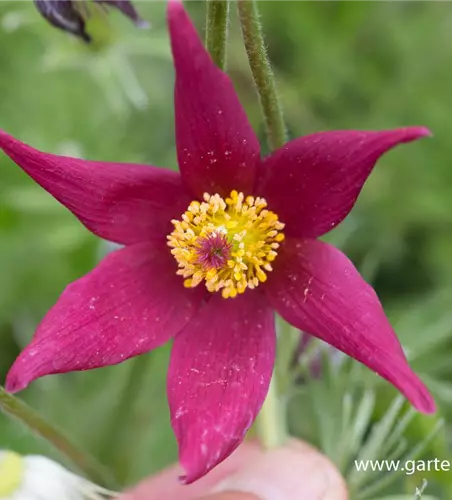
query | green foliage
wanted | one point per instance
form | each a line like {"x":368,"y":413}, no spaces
{"x":338,"y":65}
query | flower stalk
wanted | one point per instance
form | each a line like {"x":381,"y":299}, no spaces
{"x":31,"y":419}
{"x":120,"y":414}
{"x":217,"y":26}
{"x":270,"y":423}
{"x":263,"y":75}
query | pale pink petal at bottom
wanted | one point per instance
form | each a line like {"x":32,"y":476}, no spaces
{"x":316,"y":288}
{"x":165,"y":484}
{"x":220,"y":370}
{"x":129,"y":304}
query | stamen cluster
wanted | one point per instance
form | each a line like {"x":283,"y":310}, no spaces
{"x":229,"y":243}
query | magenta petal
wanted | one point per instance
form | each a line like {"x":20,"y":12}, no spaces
{"x":216,"y":146}
{"x":129,"y":304}
{"x":316,"y":288}
{"x":220,"y":369}
{"x":313,"y":182}
{"x":120,"y":202}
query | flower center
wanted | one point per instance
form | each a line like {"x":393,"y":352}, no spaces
{"x":11,"y":473}
{"x":229,"y":243}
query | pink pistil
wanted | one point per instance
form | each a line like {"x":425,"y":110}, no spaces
{"x":214,"y":251}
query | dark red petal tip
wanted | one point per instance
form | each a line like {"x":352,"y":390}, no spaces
{"x":220,"y":369}
{"x":14,"y":384}
{"x":217,"y":148}
{"x":120,"y":202}
{"x":425,"y":402}
{"x":131,"y":303}
{"x":313,"y":182}
{"x":316,"y":288}
{"x":423,"y":131}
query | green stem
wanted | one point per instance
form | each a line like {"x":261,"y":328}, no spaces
{"x":261,"y":69}
{"x":121,"y":413}
{"x":31,"y":419}
{"x":270,"y":423}
{"x":288,"y":343}
{"x":217,"y":20}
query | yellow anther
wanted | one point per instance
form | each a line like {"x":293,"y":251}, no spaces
{"x":227,"y":242}
{"x":261,"y":276}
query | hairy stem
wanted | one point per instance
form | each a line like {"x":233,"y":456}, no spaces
{"x":217,"y":21}
{"x":31,"y":419}
{"x":121,"y":412}
{"x":261,"y":69}
{"x":270,"y":423}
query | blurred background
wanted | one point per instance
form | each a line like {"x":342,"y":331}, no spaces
{"x":338,"y":65}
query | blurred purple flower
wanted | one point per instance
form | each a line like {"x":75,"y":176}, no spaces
{"x":70,"y":15}
{"x":315,"y":365}
{"x":223,"y":342}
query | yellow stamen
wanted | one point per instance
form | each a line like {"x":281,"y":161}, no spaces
{"x":11,"y":473}
{"x":229,"y":243}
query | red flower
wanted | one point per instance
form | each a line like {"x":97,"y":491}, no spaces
{"x":229,"y":241}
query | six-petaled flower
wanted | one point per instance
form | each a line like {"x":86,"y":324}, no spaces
{"x":210,"y":254}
